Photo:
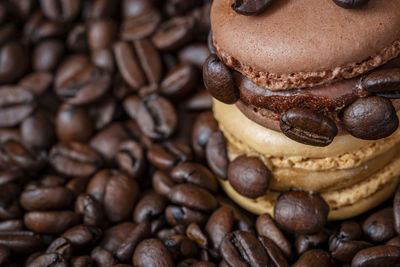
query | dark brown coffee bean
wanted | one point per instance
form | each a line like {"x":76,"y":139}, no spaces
{"x":383,"y":83}
{"x":15,"y":105}
{"x":77,"y":40}
{"x":195,"y":54}
{"x":73,"y":124}
{"x":204,"y":126}
{"x":350,"y":4}
{"x":301,"y":212}
{"x":378,"y":227}
{"x":306,"y":242}
{"x":350,"y":230}
{"x":167,"y":155}
{"x":377,"y":256}
{"x":174,"y":33}
{"x":102,"y":257}
{"x":61,"y":246}
{"x":37,"y":131}
{"x":250,"y":7}
{"x":101,"y":34}
{"x":141,"y":26}
{"x":308,"y":127}
{"x":152,"y":252}
{"x":273,"y":251}
{"x":50,"y":222}
{"x":195,"y":233}
{"x":47,"y":55}
{"x":115,"y":235}
{"x":179,"y":82}
{"x":217,"y":155}
{"x":182,"y":215}
{"x":266,"y":226}
{"x":103,"y":112}
{"x":203,"y":264}
{"x":4,"y":254}
{"x":99,"y":9}
{"x":199,"y":102}
{"x":61,"y":10}
{"x":81,"y":261}
{"x":218,"y":225}
{"x":90,"y":209}
{"x":149,"y":60}
{"x":37,"y":82}
{"x":127,"y":248}
{"x":82,"y":236}
{"x":14,"y":62}
{"x":21,"y":242}
{"x":149,"y":207}
{"x":243,"y":249}
{"x":130,"y":158}
{"x":371,"y":118}
{"x":11,"y":225}
{"x":162,"y":183}
{"x":181,"y":247}
{"x":218,"y":80}
{"x":192,"y":196}
{"x":18,"y":155}
{"x":395,"y":241}
{"x":104,"y":59}
{"x":157,"y":117}
{"x":46,"y":198}
{"x":77,"y":185}
{"x":314,"y":258}
{"x":249,"y":176}
{"x":344,"y":250}
{"x":49,"y":259}
{"x":74,"y":159}
{"x":195,"y":173}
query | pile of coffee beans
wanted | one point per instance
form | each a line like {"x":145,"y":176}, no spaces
{"x":109,"y":153}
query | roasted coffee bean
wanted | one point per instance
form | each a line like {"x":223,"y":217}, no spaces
{"x":349,"y":4}
{"x":192,"y":196}
{"x":70,"y":68}
{"x":37,"y":82}
{"x":179,"y":82}
{"x":395,"y":241}
{"x":149,"y":206}
{"x":350,"y":230}
{"x":371,"y":118}
{"x":73,"y":124}
{"x":50,"y":222}
{"x":249,"y":176}
{"x":104,"y":59}
{"x":157,"y":117}
{"x":130,"y":158}
{"x":99,"y":9}
{"x":301,"y":212}
{"x":18,"y":155}
{"x":195,"y":173}
{"x":101,"y":34}
{"x":195,"y":54}
{"x":182,"y":215}
{"x":174,"y":33}
{"x":164,"y":234}
{"x":195,"y":233}
{"x":90,"y":209}
{"x":61,"y":10}
{"x":102,"y":257}
{"x":266,"y":226}
{"x":4,"y":254}
{"x":250,"y":7}
{"x":49,"y":259}
{"x":314,"y":258}
{"x":379,"y":227}
{"x":384,"y":255}
{"x":15,"y":105}
{"x":167,"y":155}
{"x":103,"y":112}
{"x":47,"y":55}
{"x":37,"y":131}
{"x":218,"y":225}
{"x":199,"y":102}
{"x":61,"y":246}
{"x":181,"y":247}
{"x":243,"y":249}
{"x":81,"y":236}
{"x":308,"y":127}
{"x":383,"y":83}
{"x":77,"y":40}
{"x":141,"y":26}
{"x":11,"y":225}
{"x":74,"y":159}
{"x":14,"y":62}
{"x":152,"y":252}
{"x":126,"y":249}
{"x":77,"y":185}
{"x":81,"y":261}
{"x":21,"y":242}
{"x":204,"y":126}
{"x":217,"y":155}
{"x":218,"y":80}
{"x":162,"y":183}
{"x":273,"y":251}
{"x":150,"y":60}
{"x":46,"y":198}
{"x":115,"y":235}
{"x":344,"y":250}
{"x":306,"y":242}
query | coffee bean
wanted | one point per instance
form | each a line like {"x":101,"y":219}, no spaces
{"x":157,"y":117}
{"x":149,"y":60}
{"x":195,"y":54}
{"x":218,"y":225}
{"x":130,"y":158}
{"x":162,"y":183}
{"x":350,"y":230}
{"x":15,"y":105}
{"x":46,"y":198}
{"x":301,"y":212}
{"x":77,"y":185}
{"x":384,"y":255}
{"x":218,"y":80}
{"x":73,"y":124}
{"x":21,"y":242}
{"x":179,"y":82}
{"x":344,"y":250}
{"x":81,"y":236}
{"x":102,"y":257}
{"x":15,"y":153}
{"x":149,"y":207}
{"x":243,"y":249}
{"x":306,"y":242}
{"x":174,"y":33}
{"x":11,"y":225}
{"x":181,"y":247}
{"x":204,"y":126}
{"x":378,"y":227}
{"x":176,"y":215}
{"x":195,"y":174}
{"x":77,"y":40}
{"x":101,"y":34}
{"x":50,"y":222}
{"x":249,"y":176}
{"x":199,"y":101}
{"x":383,"y":83}
{"x":37,"y":82}
{"x":250,"y":7}
{"x":49,"y":259}
{"x":37,"y":131}
{"x":4,"y":254}
{"x":90,"y":209}
{"x":60,"y":10}
{"x":195,"y":233}
{"x":169,"y":154}
{"x":141,"y":26}
{"x":273,"y":251}
{"x":371,"y":118}
{"x":314,"y":258}
{"x":61,"y":246}
{"x":395,"y":241}
{"x":308,"y":127}
{"x":127,"y":248}
{"x":217,"y":155}
{"x":152,"y":252}
{"x":203,"y":264}
{"x":349,"y":4}
{"x":47,"y":55}
{"x":192,"y":196}
{"x":99,"y":9}
{"x":81,"y":261}
{"x":14,"y":62}
{"x":74,"y":159}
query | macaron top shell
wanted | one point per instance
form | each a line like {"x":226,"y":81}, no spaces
{"x":304,"y":43}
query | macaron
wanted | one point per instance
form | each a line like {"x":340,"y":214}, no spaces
{"x":312,"y":89}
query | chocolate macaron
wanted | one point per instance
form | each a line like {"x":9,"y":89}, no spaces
{"x":312,"y":89}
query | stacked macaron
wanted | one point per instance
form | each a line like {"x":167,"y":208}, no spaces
{"x":312,"y":90}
